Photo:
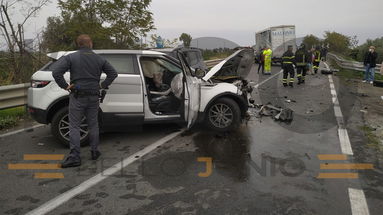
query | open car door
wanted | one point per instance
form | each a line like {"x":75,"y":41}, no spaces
{"x":191,"y":92}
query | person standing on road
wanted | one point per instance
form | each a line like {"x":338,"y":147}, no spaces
{"x":302,"y":59}
{"x":261,"y":60}
{"x":288,"y":62}
{"x":267,"y":60}
{"x":317,"y":59}
{"x":370,"y":64}
{"x":85,"y":71}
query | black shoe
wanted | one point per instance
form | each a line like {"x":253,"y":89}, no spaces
{"x":95,"y":155}
{"x":71,"y":161}
{"x":303,"y":81}
{"x":291,"y":84}
{"x":284,"y":84}
{"x":299,"y":82}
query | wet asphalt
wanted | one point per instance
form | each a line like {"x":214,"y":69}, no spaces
{"x":264,"y":167}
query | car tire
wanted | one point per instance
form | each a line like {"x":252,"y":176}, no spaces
{"x":57,"y":124}
{"x":218,"y":113}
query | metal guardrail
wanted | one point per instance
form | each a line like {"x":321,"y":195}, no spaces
{"x":13,"y":95}
{"x":16,"y":95}
{"x":348,"y":64}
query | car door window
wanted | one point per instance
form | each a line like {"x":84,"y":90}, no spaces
{"x":124,"y":64}
{"x":192,"y":58}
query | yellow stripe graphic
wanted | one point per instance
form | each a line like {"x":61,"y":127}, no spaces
{"x":48,"y":175}
{"x":338,"y":175}
{"x":347,"y":166}
{"x":332,"y":157}
{"x":34,"y":166}
{"x":43,"y":157}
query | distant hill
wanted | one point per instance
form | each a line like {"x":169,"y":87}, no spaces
{"x":213,"y":43}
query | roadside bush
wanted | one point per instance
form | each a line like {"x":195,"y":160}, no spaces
{"x":11,"y":117}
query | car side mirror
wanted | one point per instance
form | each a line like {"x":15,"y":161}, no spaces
{"x":200,"y":73}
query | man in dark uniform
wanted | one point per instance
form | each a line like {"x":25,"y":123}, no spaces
{"x":288,"y":62}
{"x":302,"y":59}
{"x":317,"y":59}
{"x":85,"y":70}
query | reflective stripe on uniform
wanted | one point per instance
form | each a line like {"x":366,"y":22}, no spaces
{"x":291,"y":80}
{"x":284,"y":80}
{"x":299,"y":75}
{"x":287,"y":57}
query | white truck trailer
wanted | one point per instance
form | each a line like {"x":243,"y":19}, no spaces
{"x":278,"y":38}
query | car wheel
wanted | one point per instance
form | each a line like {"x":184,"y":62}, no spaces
{"x":60,"y":127}
{"x":223,"y":115}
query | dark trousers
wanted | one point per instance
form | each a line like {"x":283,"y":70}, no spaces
{"x":316,"y":66}
{"x":80,"y":107}
{"x":301,"y":72}
{"x":261,"y":65}
{"x":288,"y":69}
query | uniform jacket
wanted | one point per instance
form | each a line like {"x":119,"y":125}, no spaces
{"x":85,"y":68}
{"x":288,"y":58}
{"x":302,"y":57}
{"x":317,"y":56}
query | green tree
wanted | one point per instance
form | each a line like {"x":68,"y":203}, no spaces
{"x":311,"y":41}
{"x":337,"y":42}
{"x":110,"y":23}
{"x":186,"y":39}
{"x":362,"y":49}
{"x":18,"y":60}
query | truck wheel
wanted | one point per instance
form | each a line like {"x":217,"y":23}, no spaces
{"x":223,"y":115}
{"x":60,"y":127}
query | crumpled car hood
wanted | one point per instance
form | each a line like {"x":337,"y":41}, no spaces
{"x":236,"y":66}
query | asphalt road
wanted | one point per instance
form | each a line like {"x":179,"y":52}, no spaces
{"x":264,"y":167}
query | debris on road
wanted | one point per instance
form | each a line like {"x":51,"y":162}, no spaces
{"x":363,"y":111}
{"x":290,"y":100}
{"x":378,"y":83}
{"x":277,"y":113}
{"x":40,"y":144}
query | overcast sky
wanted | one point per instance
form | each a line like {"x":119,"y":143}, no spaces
{"x":238,"y":20}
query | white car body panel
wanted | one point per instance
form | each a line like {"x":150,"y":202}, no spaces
{"x":42,"y":97}
{"x":208,"y":92}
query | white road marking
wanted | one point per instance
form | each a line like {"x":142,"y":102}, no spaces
{"x":19,"y":131}
{"x":64,"y":197}
{"x":345,"y":141}
{"x":266,"y":80}
{"x":342,"y":132}
{"x":358,"y":202}
{"x":357,"y":198}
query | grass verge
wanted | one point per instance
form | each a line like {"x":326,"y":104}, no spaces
{"x":373,"y":140}
{"x":352,"y":74}
{"x":10,"y":117}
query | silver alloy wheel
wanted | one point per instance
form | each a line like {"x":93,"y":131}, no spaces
{"x":64,"y":128}
{"x":221,"y":115}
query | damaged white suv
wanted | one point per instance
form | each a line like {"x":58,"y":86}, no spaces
{"x":151,"y":87}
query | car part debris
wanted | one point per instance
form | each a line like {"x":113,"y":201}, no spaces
{"x":378,"y":83}
{"x":278,"y":114}
{"x":290,"y":100}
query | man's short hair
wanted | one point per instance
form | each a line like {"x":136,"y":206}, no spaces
{"x":84,"y":40}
